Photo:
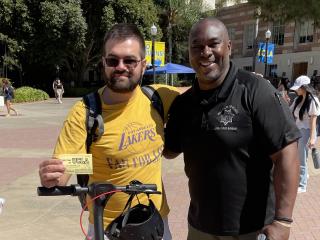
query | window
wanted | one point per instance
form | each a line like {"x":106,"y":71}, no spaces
{"x":248,"y":68}
{"x":272,"y":70}
{"x":232,"y":33}
{"x":249,"y":33}
{"x":306,"y":31}
{"x":278,"y":33}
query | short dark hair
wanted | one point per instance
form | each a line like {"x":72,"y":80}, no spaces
{"x":123,"y":31}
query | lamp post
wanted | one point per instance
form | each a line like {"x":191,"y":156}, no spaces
{"x":255,"y":42}
{"x":153,"y":34}
{"x":268,"y":35}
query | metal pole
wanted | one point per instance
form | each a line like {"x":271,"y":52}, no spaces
{"x":266,"y":59}
{"x":255,"y":45}
{"x":152,"y":60}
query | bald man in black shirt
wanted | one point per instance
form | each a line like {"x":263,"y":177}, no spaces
{"x":236,"y":134}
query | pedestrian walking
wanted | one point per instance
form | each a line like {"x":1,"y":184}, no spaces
{"x":8,"y":92}
{"x":236,"y":133}
{"x":306,"y":109}
{"x":54,"y":87}
{"x":59,"y":90}
{"x":282,"y":86}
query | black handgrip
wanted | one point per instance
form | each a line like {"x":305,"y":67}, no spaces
{"x":143,"y":187}
{"x":139,"y":188}
{"x":56,"y":191}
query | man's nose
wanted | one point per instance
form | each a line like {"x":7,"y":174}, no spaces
{"x":206,"y":52}
{"x":121,"y":65}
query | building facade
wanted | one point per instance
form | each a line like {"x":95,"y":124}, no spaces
{"x":297,"y":44}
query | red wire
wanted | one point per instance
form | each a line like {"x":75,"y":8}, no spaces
{"x":86,"y":206}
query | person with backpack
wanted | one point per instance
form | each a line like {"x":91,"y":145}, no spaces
{"x":305,"y":109}
{"x":8,"y":92}
{"x":128,"y":146}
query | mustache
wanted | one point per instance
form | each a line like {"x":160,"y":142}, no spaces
{"x":121,"y":71}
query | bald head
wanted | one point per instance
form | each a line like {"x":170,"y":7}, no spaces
{"x":209,"y":21}
{"x":209,"y":52}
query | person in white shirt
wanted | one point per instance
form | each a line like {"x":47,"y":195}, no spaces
{"x":305,"y":108}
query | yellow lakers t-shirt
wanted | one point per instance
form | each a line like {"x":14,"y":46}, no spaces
{"x":130,"y":148}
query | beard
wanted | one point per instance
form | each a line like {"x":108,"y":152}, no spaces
{"x":121,"y":85}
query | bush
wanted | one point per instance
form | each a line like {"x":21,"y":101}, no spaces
{"x":29,"y":94}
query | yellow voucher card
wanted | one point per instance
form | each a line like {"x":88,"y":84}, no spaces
{"x":77,"y":163}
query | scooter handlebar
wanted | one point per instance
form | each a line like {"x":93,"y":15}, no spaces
{"x":76,"y":189}
{"x":73,"y":190}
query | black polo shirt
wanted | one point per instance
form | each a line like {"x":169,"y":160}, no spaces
{"x":227,"y":135}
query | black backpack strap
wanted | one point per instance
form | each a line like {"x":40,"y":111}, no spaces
{"x":155,"y":99}
{"x":95,"y":129}
{"x":94,"y":121}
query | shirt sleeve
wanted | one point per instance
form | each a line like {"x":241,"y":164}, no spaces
{"x":72,"y":138}
{"x":314,"y":109}
{"x":273,"y":120}
{"x":172,"y":129}
{"x":167,"y":94}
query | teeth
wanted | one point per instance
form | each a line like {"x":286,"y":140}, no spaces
{"x":206,"y":64}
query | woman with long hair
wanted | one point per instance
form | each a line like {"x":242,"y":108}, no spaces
{"x":8,"y":96}
{"x":305,"y":109}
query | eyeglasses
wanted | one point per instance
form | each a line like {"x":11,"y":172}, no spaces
{"x":128,"y":62}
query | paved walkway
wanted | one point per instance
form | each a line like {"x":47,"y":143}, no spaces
{"x":28,"y":139}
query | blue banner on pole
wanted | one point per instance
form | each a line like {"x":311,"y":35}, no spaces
{"x":262,"y":52}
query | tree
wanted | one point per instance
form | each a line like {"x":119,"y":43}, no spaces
{"x":289,"y":10}
{"x":60,"y":34}
{"x":15,"y":28}
{"x":40,"y":34}
{"x":177,"y":18}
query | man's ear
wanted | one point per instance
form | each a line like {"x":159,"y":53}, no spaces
{"x":103,"y":62}
{"x":229,"y":47}
{"x":143,"y":65}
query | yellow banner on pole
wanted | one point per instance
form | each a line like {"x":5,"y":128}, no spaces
{"x":148,"y":51}
{"x":160,"y":48}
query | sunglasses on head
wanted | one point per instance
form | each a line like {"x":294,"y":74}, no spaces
{"x":128,"y":62}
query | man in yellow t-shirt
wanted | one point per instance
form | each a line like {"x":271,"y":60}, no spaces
{"x":132,"y":143}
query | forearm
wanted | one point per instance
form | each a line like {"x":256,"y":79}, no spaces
{"x":313,"y":126}
{"x":286,"y":180}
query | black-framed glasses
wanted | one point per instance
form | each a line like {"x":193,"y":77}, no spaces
{"x":128,"y":62}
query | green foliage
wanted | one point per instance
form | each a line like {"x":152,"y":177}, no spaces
{"x":288,"y":10}
{"x":15,"y":28}
{"x":143,"y":13}
{"x":41,"y":34}
{"x":61,"y":31}
{"x":177,"y":17}
{"x":28,"y":94}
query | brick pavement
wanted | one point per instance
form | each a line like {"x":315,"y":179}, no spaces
{"x":29,"y":138}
